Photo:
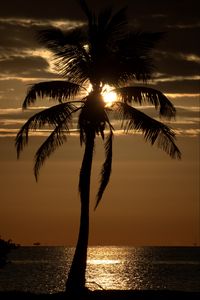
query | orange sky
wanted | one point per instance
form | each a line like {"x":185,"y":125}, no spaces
{"x":151,"y":199}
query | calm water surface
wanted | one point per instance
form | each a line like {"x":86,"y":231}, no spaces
{"x":44,"y":269}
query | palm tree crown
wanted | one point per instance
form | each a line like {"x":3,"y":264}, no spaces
{"x":103,"y":52}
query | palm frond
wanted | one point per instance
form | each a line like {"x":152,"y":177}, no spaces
{"x":56,"y":139}
{"x":56,"y":90}
{"x":104,"y":17}
{"x":106,"y":169}
{"x":116,"y":28}
{"x":86,"y":10}
{"x":57,"y":40}
{"x":132,"y":49}
{"x":153,"y":131}
{"x":52,"y":116}
{"x":140,"y":95}
{"x":74,"y":64}
{"x":109,"y":27}
{"x":141,"y":43}
{"x":113,"y":43}
{"x":69,"y":51}
{"x":136,"y":54}
{"x":103,"y":35}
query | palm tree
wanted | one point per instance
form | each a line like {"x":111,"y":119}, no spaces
{"x":105,"y":52}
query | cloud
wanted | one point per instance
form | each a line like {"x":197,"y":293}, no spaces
{"x":190,"y":86}
{"x":18,"y":35}
{"x":23,"y":66}
{"x":177,"y":64}
{"x":10,"y":111}
{"x":188,"y":132}
{"x":192,"y":57}
{"x":21,"y":55}
{"x":181,"y":40}
{"x":12,"y":122}
{"x":21,"y":34}
{"x":40,"y":9}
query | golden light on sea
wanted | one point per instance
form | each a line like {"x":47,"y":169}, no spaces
{"x":102,"y":263}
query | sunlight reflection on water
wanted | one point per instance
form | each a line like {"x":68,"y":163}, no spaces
{"x":44,"y":269}
{"x":118,"y":268}
{"x":102,"y":261}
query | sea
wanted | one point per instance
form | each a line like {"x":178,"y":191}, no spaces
{"x":42,"y":269}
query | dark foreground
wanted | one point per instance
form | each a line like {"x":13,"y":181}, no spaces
{"x":105,"y":295}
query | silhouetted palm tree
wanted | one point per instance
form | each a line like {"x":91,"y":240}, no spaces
{"x":105,"y":52}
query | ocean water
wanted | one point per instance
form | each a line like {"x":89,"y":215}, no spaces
{"x":44,"y":269}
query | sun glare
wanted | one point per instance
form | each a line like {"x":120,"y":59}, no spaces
{"x":109,"y":96}
{"x":103,"y":261}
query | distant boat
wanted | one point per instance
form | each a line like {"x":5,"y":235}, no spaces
{"x":36,"y":244}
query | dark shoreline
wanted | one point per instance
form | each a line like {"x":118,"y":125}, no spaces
{"x":105,"y":295}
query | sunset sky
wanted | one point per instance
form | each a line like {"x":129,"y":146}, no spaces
{"x":151,"y":199}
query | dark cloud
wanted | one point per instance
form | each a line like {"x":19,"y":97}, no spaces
{"x":20,"y":66}
{"x":45,"y":9}
{"x":180,"y":86}
{"x":26,"y":67}
{"x":171,"y":64}
{"x":183,"y":40}
{"x":20,"y":34}
{"x":41,"y":9}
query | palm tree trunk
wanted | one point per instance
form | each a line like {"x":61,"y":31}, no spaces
{"x":76,"y":278}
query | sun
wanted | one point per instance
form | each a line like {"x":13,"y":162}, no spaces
{"x":109,"y":96}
